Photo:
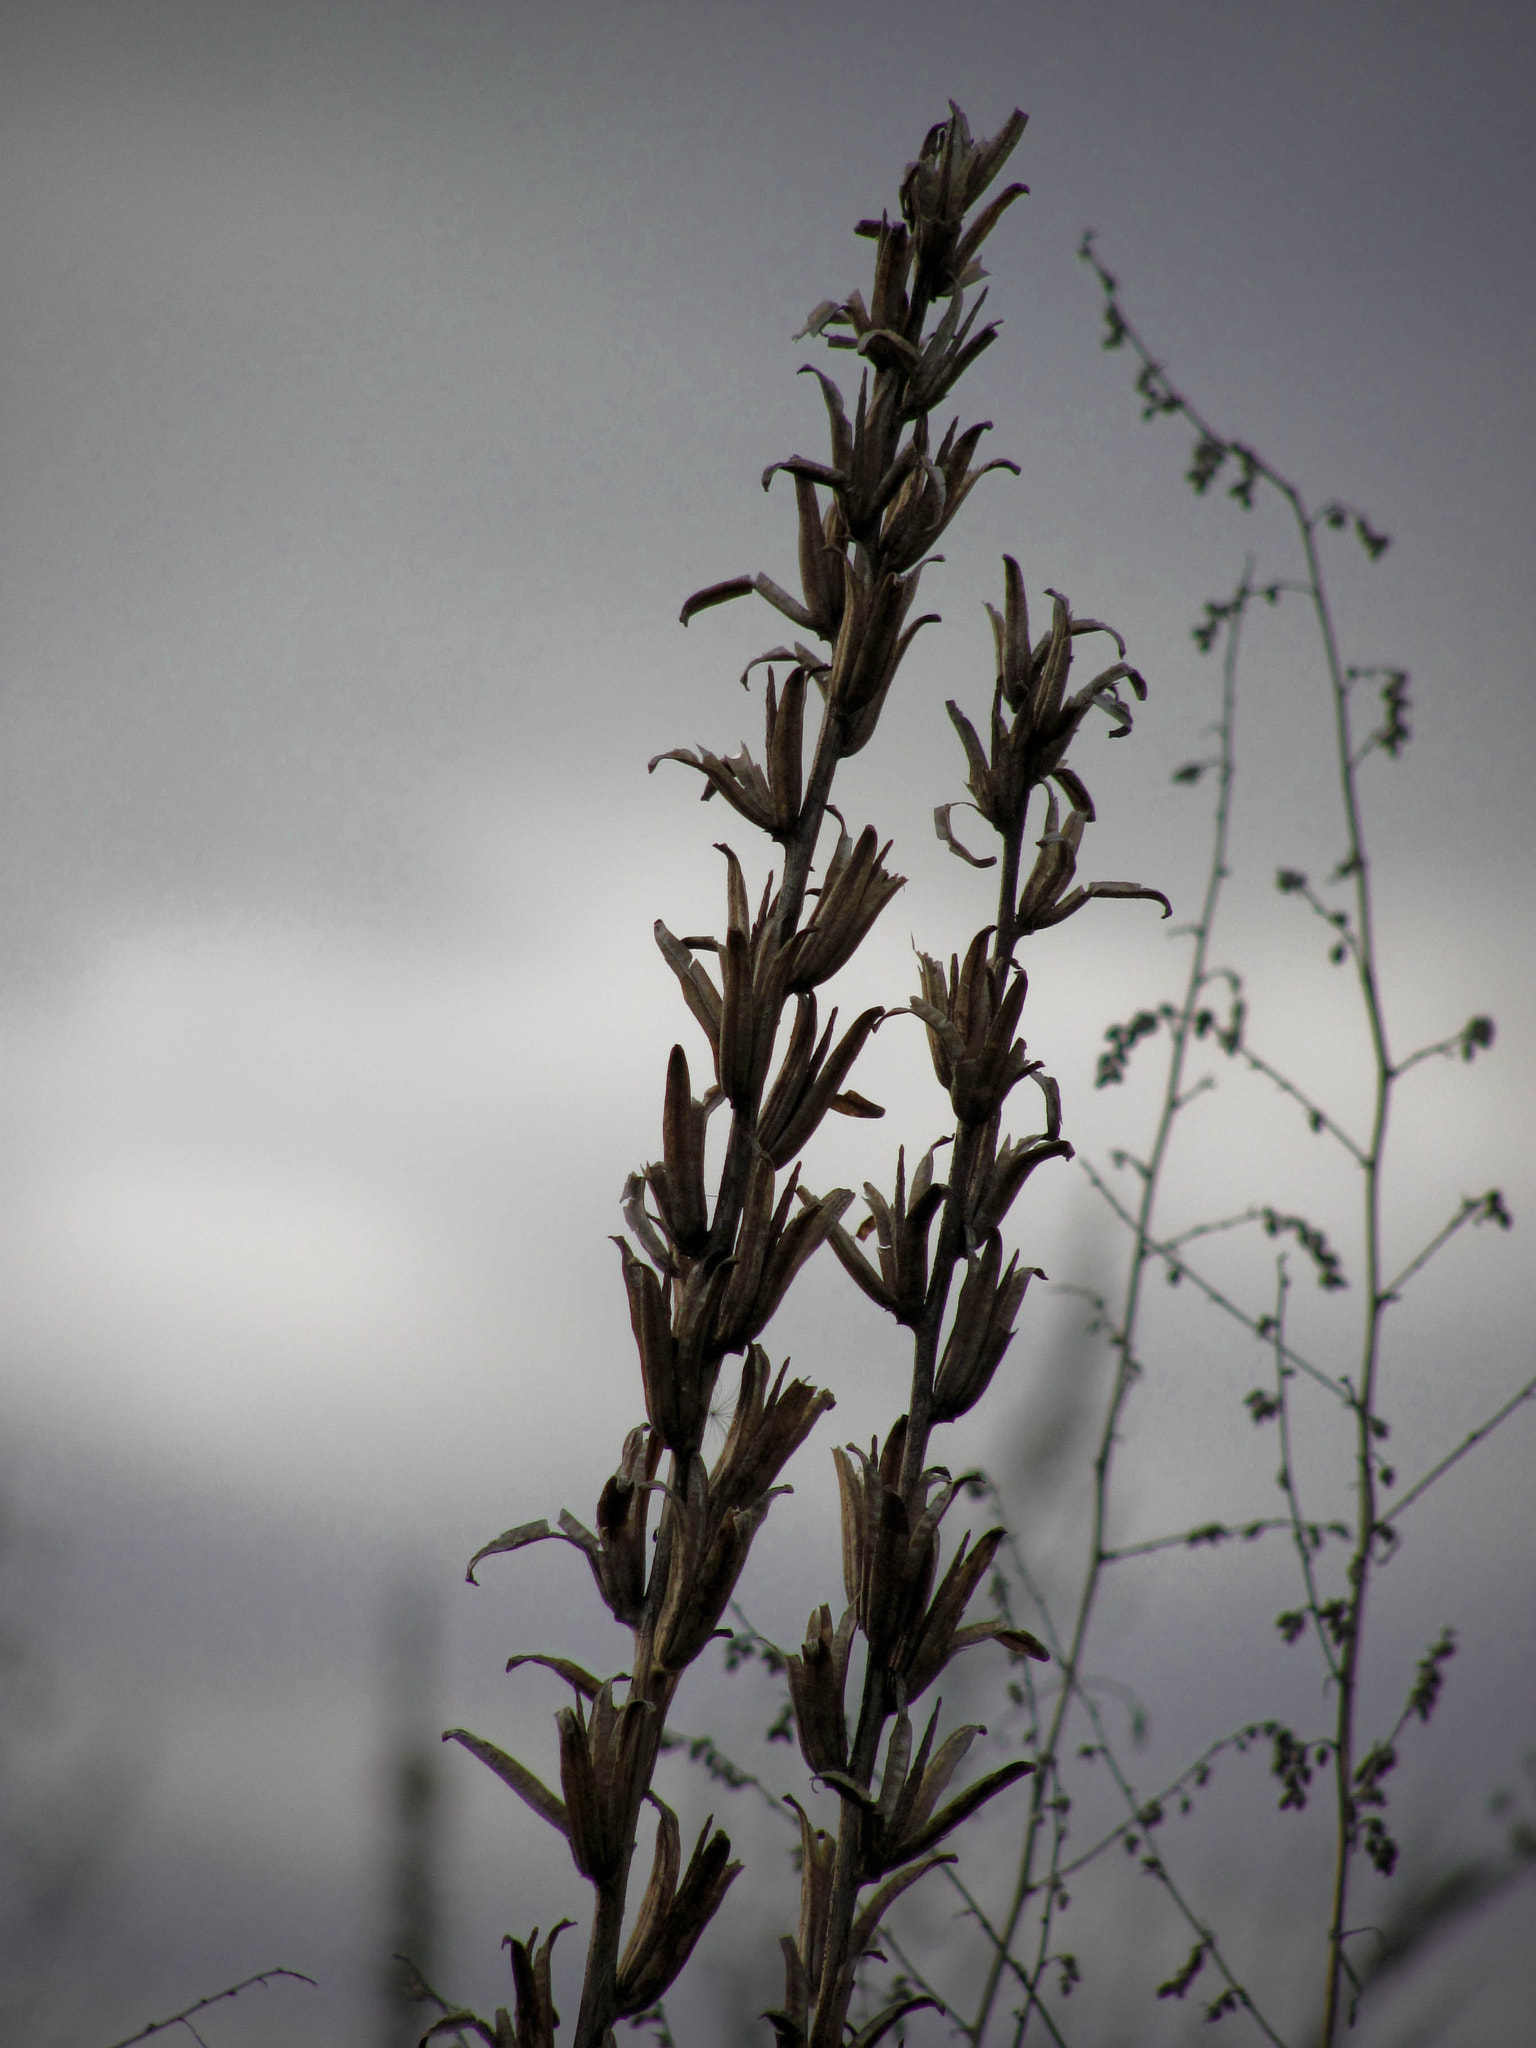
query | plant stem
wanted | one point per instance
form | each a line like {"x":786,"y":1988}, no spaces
{"x":799,"y":854}
{"x":1364,"y":1403}
{"x":1299,"y":1532}
{"x":1142,"y":1253}
{"x":876,"y":1704}
{"x":597,"y":1989}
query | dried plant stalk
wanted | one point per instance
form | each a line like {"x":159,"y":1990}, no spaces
{"x":705,"y":1271}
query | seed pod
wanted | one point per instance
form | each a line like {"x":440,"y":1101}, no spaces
{"x":600,"y":1759}
{"x":650,"y":1319}
{"x":767,"y":1427}
{"x":623,"y":1509}
{"x":712,"y":1526}
{"x":939,"y":1636}
{"x":971,"y":1019}
{"x":736,"y":777}
{"x":889,"y":1547}
{"x":708,"y":1589}
{"x":531,"y":1983}
{"x":785,"y":741}
{"x":678,"y":1181}
{"x":817,"y":1678}
{"x":1045,"y":900}
{"x":617,"y":1554}
{"x":902,"y":1823}
{"x":737,"y":1021}
{"x":699,"y":992}
{"x":1001,"y":1171}
{"x":809,"y":1081}
{"x":821,"y":567}
{"x":855,"y":889}
{"x":870,"y":645}
{"x":771,"y":1248}
{"x":818,"y":1854}
{"x":673,"y":1324}
{"x":672,"y":1916}
{"x":982,"y":1330}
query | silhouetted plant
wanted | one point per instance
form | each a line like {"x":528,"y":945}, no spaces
{"x":719,"y":1227}
{"x":709,"y":1252}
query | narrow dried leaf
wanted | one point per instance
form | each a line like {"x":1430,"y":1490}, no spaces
{"x":518,"y":1539}
{"x":859,"y":1270}
{"x":875,"y":2030}
{"x":1018,"y":1641}
{"x":868,"y":1922}
{"x":699,"y":992}
{"x":579,"y":1680}
{"x":850,"y":1789}
{"x":837,"y":417}
{"x":851,"y":1494}
{"x":531,"y":1790}
{"x":1131,"y":889}
{"x":939,"y":1025}
{"x":1072,"y":783}
{"x":716,"y":593}
{"x":799,"y":1241}
{"x":786,"y":749}
{"x":962,"y":1808}
{"x":659,"y":1892}
{"x":932,"y":1778}
{"x":812,"y":472}
{"x":898,"y":1755}
{"x":985,"y":222}
{"x":462,"y":2021}
{"x":945,"y":831}
{"x":851,"y":1103}
{"x":781,"y":601}
{"x":818,"y":318}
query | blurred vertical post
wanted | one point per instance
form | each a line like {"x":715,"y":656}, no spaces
{"x":413,"y":1796}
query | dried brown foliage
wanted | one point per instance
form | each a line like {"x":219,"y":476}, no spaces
{"x":709,"y":1253}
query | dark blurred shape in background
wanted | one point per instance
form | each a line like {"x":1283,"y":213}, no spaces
{"x":414,"y":1812}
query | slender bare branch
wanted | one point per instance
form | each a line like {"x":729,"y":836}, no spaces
{"x":1255,"y":1325}
{"x":1207,"y":1535}
{"x":1484,"y":1429}
{"x":1299,"y":1526}
{"x":188,"y":2013}
{"x":1474,"y":1209}
{"x":1315,"y":1114}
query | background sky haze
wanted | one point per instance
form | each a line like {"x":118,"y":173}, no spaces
{"x":375,"y":382}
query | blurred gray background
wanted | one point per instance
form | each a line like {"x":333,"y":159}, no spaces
{"x":375,"y":381}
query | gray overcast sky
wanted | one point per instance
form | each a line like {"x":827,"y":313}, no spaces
{"x":375,"y":380}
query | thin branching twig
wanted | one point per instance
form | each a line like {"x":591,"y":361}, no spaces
{"x":1144,"y":1250}
{"x":1338,"y":1620}
{"x":1169,"y":1255}
{"x":188,"y":2013}
{"x":1484,"y":1429}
